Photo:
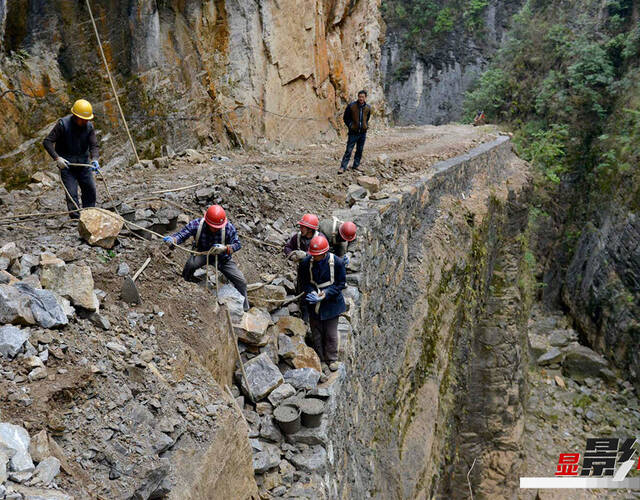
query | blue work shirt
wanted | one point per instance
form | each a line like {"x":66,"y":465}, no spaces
{"x":208,"y":238}
{"x":333,"y":304}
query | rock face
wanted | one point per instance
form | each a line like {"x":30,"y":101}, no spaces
{"x":99,"y":227}
{"x":428,"y":86}
{"x":239,"y":64}
{"x":435,"y":325}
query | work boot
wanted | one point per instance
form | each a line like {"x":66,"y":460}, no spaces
{"x":341,"y":171}
{"x":333,"y":366}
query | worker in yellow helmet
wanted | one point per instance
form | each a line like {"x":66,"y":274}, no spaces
{"x":70,"y":143}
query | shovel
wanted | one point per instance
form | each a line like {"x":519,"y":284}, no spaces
{"x":129,"y":291}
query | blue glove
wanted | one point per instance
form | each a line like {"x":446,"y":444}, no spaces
{"x":345,"y":259}
{"x":313,"y":298}
{"x":169,"y":239}
{"x":95,"y":166}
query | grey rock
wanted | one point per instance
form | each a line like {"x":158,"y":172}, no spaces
{"x":303,"y":378}
{"x":553,"y":355}
{"x":581,"y":362}
{"x":311,"y":436}
{"x":263,"y":375}
{"x":21,"y":492}
{"x":287,"y":346}
{"x":355,"y":193}
{"x":129,"y":292}
{"x":267,"y":459}
{"x":15,"y":440}
{"x":15,"y":306}
{"x":269,"y":430}
{"x":229,"y":296}
{"x":46,"y":306}
{"x":45,"y":472}
{"x":100,"y":321}
{"x":539,"y":344}
{"x":38,"y":373}
{"x":161,"y":442}
{"x":312,"y":460}
{"x":117,"y":347}
{"x":10,"y":251}
{"x":12,"y":339}
{"x":562,"y":338}
{"x":28,"y":263}
{"x":123,"y":269}
{"x":253,"y":326}
{"x":281,"y":393}
{"x":154,"y":479}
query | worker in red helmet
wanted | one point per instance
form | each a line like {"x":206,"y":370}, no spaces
{"x":339,"y":234}
{"x":323,"y":277}
{"x":297,"y":246}
{"x":212,"y":232}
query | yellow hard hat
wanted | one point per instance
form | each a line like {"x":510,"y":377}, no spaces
{"x":82,"y":109}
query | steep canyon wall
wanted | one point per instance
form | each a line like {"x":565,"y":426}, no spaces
{"x":187,"y":71}
{"x":436,"y":370}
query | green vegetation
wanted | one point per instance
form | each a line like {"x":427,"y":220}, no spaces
{"x":566,"y":83}
{"x":425,"y":25}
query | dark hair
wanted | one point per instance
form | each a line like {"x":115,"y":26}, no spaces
{"x":363,"y":92}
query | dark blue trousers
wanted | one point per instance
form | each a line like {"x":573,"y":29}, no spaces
{"x":354,"y":140}
{"x":72,"y":177}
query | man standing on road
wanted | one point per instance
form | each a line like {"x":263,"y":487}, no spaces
{"x":356,"y":118}
{"x":70,"y":142}
{"x":212,"y":231}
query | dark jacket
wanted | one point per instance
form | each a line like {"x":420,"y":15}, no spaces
{"x":333,"y":304}
{"x":356,"y":117}
{"x":208,"y":238}
{"x":298,"y":242}
{"x":337,"y":245}
{"x":72,"y":142}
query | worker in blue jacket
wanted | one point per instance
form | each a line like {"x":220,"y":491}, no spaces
{"x":323,"y":277}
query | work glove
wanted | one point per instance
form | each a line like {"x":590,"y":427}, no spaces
{"x":169,"y":240}
{"x":314,"y":297}
{"x":219,"y":249}
{"x":95,"y":166}
{"x":297,"y":255}
{"x":62,"y":163}
{"x":345,"y":259}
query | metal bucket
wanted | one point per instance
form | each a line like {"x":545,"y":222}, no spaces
{"x":312,"y":410}
{"x":288,"y":418}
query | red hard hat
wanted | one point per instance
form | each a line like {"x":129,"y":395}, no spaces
{"x":319,"y":245}
{"x":310,"y":221}
{"x":348,"y":231}
{"x":215,"y":217}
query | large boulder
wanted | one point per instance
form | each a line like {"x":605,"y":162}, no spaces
{"x":291,"y":325}
{"x":553,"y":355}
{"x":11,"y":340}
{"x":303,"y":378}
{"x":371,"y":184}
{"x":99,"y":227}
{"x":306,"y":357}
{"x":231,"y":297}
{"x":253,"y":327}
{"x":270,"y":297}
{"x":73,"y":281}
{"x":580,"y":362}
{"x":15,"y":307}
{"x":263,"y":377}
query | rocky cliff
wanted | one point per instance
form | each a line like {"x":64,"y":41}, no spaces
{"x":436,"y":367}
{"x":188,"y":72}
{"x":426,"y":82}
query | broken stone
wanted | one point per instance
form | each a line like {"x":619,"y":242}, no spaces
{"x":28,"y":263}
{"x":11,"y":340}
{"x":39,"y":373}
{"x":129,"y":291}
{"x":73,"y":281}
{"x":580,"y":362}
{"x":554,"y":355}
{"x":287,"y":346}
{"x":46,"y":306}
{"x":281,"y":393}
{"x":355,"y":193}
{"x":99,"y":227}
{"x":16,"y":439}
{"x":268,"y":296}
{"x":306,"y":357}
{"x":253,"y":327}
{"x":229,"y":296}
{"x":117,"y":347}
{"x":269,"y":430}
{"x":263,"y":376}
{"x":290,"y":325}
{"x":10,"y":251}
{"x":39,"y":446}
{"x":45,"y":472}
{"x":311,"y":460}
{"x":562,"y":338}
{"x":153,"y":480}
{"x":33,"y":362}
{"x":303,"y":378}
{"x":15,"y":306}
{"x":371,"y":184}
{"x":49,"y":259}
{"x":123,"y":269}
{"x":100,"y":321}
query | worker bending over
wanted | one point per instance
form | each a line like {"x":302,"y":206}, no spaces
{"x":212,"y":232}
{"x":339,"y":234}
{"x":297,"y":246}
{"x":72,"y":140}
{"x":323,"y":277}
